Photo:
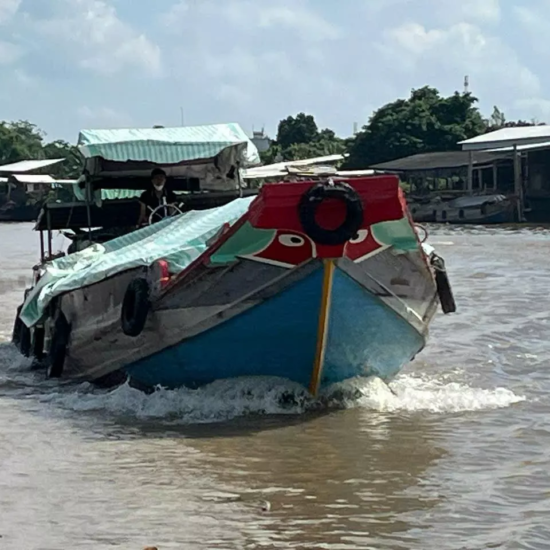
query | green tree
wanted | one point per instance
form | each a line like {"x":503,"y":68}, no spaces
{"x":19,"y":141}
{"x":299,"y":129}
{"x":71,"y":168}
{"x":22,"y":140}
{"x":497,"y":121}
{"x":424,"y":122}
{"x":299,"y":138}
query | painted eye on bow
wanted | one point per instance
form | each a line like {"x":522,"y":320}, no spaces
{"x":362,"y":234}
{"x":291,"y":240}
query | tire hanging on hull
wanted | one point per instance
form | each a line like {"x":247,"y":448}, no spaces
{"x":58,"y":346}
{"x":135,"y":307}
{"x":444,"y":291}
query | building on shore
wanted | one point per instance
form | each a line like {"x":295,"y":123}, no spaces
{"x":444,"y":187}
{"x":261,"y":141}
{"x":529,"y":148}
{"x":22,"y":192}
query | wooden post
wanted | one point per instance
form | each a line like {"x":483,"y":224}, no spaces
{"x":41,"y":245}
{"x":495,"y":175}
{"x":49,"y":233}
{"x":518,"y":187}
{"x":470,"y":172}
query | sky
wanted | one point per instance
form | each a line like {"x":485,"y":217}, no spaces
{"x":72,"y":64}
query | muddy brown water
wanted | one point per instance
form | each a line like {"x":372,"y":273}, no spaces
{"x":456,"y":457}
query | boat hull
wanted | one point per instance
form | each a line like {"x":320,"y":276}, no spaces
{"x":279,"y":338}
{"x":263,"y":299}
{"x":478,"y":213}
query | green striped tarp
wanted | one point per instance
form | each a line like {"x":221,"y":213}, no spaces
{"x":167,"y":145}
{"x":179,"y":240}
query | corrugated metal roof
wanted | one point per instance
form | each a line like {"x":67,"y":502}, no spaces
{"x":528,"y":147}
{"x":167,"y":146}
{"x":436,"y":161}
{"x":517,"y":135}
{"x":27,"y":165}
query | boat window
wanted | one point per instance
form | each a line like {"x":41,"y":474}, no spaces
{"x":461,"y":214}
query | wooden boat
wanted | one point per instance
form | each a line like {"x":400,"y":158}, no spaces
{"x":313,"y":281}
{"x":477,"y":209}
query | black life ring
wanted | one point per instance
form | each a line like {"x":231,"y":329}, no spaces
{"x":135,"y":307}
{"x":314,"y":196}
{"x":443,"y":285}
{"x":58,"y":346}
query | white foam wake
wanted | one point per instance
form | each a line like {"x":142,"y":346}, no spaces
{"x":227,"y":399}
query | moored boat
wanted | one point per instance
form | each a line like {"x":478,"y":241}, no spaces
{"x":313,"y":281}
{"x":475,"y":209}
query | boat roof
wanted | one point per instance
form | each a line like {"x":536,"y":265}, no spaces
{"x":167,"y":146}
{"x":283,"y":168}
{"x":508,"y":137}
{"x":27,"y":166}
{"x":436,"y":161}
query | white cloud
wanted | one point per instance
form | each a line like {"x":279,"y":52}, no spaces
{"x":8,"y":8}
{"x":534,"y":22}
{"x":448,"y":54}
{"x":534,"y":108}
{"x":9,"y":53}
{"x":477,"y":11}
{"x":103,"y":117}
{"x":252,"y":15}
{"x":257,"y":61}
{"x":91,"y":32}
{"x":438,"y":12}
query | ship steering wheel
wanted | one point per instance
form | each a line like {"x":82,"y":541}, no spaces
{"x":174,"y":208}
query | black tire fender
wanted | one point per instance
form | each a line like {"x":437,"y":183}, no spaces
{"x":135,"y":307}
{"x":25,"y":343}
{"x":348,"y":229}
{"x":58,"y":346}
{"x":443,"y":285}
{"x":16,"y":333}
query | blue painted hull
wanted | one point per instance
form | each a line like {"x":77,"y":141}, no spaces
{"x":279,"y":337}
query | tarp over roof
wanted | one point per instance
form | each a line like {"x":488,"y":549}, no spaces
{"x":179,"y":240}
{"x":435,"y":161}
{"x":506,"y":137}
{"x":27,"y":166}
{"x":165,"y":146}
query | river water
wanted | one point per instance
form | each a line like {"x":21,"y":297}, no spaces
{"x":456,"y":457}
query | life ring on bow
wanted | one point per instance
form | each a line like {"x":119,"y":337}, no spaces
{"x":340,"y":191}
{"x":135,"y":307}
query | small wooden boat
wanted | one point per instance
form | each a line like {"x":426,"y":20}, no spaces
{"x":313,"y":281}
{"x":476,"y":209}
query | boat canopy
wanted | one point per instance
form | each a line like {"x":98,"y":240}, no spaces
{"x":197,"y":157}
